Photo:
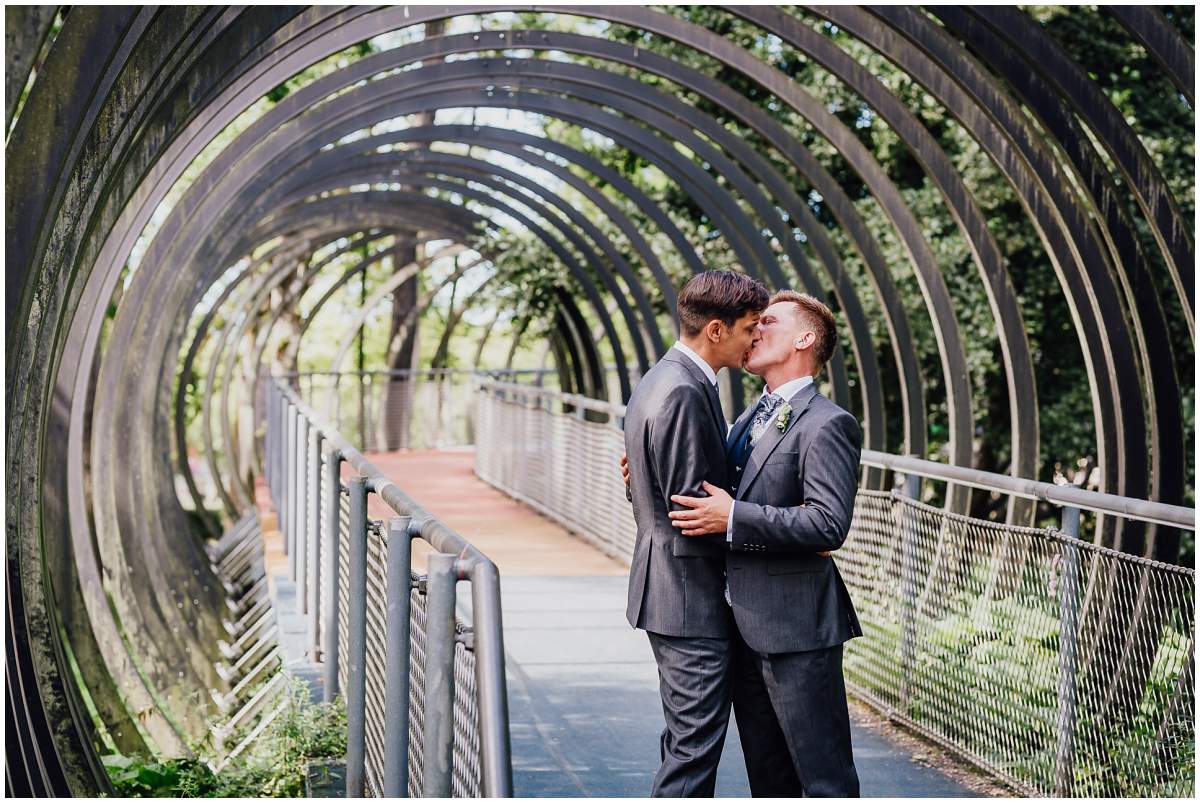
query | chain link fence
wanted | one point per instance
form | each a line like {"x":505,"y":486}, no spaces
{"x":1061,"y":667}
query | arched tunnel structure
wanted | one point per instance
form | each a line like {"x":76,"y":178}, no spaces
{"x":178,"y":178}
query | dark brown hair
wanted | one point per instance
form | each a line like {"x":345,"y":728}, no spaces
{"x":819,"y":317}
{"x":718,"y":294}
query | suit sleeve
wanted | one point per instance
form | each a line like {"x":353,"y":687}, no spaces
{"x":830,"y":484}
{"x":677,"y":446}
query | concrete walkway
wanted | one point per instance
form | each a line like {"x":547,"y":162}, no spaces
{"x":582,"y":685}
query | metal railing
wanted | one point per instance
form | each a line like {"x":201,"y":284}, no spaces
{"x":1061,"y":667}
{"x":404,"y":409}
{"x":425,"y":694}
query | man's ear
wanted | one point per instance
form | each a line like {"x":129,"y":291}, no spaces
{"x":805,"y":341}
{"x":714,"y":330}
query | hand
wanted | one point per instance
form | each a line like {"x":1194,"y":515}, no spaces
{"x":625,"y":469}
{"x":706,"y":515}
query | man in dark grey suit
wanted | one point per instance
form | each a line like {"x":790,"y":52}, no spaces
{"x":675,"y":442}
{"x":793,"y":475}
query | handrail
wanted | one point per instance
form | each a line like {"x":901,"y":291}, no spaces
{"x":1065,"y":496}
{"x":468,"y":563}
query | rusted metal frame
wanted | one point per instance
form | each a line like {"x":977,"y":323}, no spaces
{"x":1128,"y":472}
{"x":393,"y":165}
{"x":1164,"y":44}
{"x":1059,"y":75}
{"x":933,"y":287}
{"x":201,"y":333}
{"x":1006,"y":311}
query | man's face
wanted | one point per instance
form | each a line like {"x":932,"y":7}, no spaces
{"x":735,"y":344}
{"x":774,"y":342}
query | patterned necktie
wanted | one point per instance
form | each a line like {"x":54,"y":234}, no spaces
{"x":767,"y":406}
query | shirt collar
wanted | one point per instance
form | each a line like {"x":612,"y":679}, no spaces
{"x":700,"y":361}
{"x":789,"y":389}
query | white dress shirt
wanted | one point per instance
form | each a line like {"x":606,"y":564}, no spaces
{"x":696,"y":358}
{"x":786,"y":391}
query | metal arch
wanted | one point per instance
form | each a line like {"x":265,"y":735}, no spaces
{"x":262,"y":287}
{"x":1130,"y":432}
{"x":366,"y":162}
{"x":197,"y":341}
{"x":62,"y":217}
{"x":1163,"y":42}
{"x":933,"y":287}
{"x":1020,"y":153}
{"x":1006,"y":312}
{"x":413,"y":313}
{"x":1053,"y":70}
{"x":252,"y":310}
{"x":241,"y":496}
{"x":579,"y":44}
{"x":449,"y":164}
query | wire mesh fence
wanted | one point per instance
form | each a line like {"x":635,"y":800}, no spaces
{"x":370,"y":653}
{"x":1061,"y":667}
{"x":390,"y":410}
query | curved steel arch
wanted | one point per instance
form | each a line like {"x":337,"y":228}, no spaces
{"x":172,"y":77}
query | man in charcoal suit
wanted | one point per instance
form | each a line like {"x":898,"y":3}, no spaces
{"x":793,"y":474}
{"x":675,"y":442}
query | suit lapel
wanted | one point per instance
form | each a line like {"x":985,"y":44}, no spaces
{"x":710,"y":392}
{"x":772,"y":437}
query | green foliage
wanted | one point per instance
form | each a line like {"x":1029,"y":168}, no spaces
{"x":274,"y":765}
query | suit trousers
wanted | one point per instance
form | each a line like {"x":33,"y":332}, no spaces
{"x":793,"y":721}
{"x":693,"y":676}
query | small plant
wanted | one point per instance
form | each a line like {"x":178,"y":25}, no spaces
{"x":273,"y":766}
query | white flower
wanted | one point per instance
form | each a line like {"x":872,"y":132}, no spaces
{"x":781,"y":418}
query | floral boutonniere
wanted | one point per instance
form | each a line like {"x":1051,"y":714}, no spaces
{"x":782,"y":417}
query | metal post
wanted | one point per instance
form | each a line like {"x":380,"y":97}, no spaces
{"x":396,"y":690}
{"x":908,"y":583}
{"x":289,"y":468}
{"x":1068,"y":611}
{"x":495,"y":750}
{"x":356,"y":648}
{"x":305,"y":593}
{"x":333,"y":508}
{"x":439,"y":676}
{"x":303,"y":502}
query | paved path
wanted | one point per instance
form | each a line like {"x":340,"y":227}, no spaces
{"x":582,"y":685}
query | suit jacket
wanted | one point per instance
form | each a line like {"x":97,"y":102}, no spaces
{"x":675,"y":440}
{"x":795,"y":497}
